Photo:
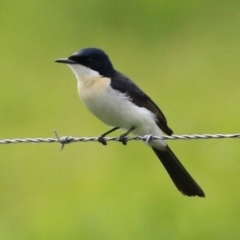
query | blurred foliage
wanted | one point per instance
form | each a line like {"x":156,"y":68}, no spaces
{"x":184,"y":54}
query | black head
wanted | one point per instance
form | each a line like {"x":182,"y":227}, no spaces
{"x":93,"y":58}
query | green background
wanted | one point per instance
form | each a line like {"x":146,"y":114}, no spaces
{"x":184,"y":54}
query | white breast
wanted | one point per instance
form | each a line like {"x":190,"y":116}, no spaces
{"x":112,"y":107}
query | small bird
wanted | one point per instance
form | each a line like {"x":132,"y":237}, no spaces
{"x":119,"y":102}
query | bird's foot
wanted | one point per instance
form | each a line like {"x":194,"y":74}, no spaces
{"x":102,"y":140}
{"x":123,"y":139}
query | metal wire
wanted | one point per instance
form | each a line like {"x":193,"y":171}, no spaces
{"x":146,"y":138}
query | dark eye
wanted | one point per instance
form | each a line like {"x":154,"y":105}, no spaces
{"x":88,"y":60}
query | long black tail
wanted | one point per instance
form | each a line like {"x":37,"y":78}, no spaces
{"x":179,"y":175}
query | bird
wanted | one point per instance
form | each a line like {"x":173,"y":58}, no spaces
{"x":118,"y":102}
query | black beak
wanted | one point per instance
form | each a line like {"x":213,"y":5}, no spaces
{"x":65,"y":60}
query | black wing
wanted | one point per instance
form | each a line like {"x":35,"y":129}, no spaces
{"x":125,"y":85}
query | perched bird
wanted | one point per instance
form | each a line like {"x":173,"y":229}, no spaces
{"x":119,"y":102}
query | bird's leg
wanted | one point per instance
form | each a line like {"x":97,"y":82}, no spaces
{"x":101,"y":138}
{"x":123,"y":138}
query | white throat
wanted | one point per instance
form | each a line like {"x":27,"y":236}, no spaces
{"x":83,"y":73}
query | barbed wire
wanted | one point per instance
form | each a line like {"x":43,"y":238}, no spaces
{"x":69,"y":139}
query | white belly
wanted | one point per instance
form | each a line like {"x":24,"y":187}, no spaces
{"x":115,"y":109}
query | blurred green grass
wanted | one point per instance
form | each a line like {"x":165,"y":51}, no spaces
{"x":185,"y":55}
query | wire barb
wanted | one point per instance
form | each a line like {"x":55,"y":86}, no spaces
{"x":146,"y":138}
{"x":62,"y":140}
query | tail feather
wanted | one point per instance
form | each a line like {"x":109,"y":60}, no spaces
{"x":179,"y":175}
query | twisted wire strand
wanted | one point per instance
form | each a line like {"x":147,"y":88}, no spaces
{"x":146,"y":138}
